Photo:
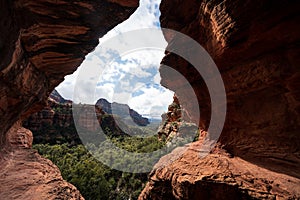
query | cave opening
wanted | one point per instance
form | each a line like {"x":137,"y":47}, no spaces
{"x":129,"y":88}
{"x":121,"y":92}
{"x":132,"y":78}
{"x":257,"y":152}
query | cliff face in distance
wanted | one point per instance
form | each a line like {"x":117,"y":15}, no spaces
{"x":123,"y":111}
{"x":54,"y":124}
{"x":41,"y":41}
{"x":255,"y":45}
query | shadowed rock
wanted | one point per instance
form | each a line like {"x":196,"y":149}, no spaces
{"x":41,"y":41}
{"x":255,"y":45}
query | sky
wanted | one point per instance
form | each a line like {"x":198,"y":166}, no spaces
{"x":131,"y":78}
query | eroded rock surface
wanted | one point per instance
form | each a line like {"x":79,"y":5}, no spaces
{"x":216,"y":177}
{"x":176,"y":123}
{"x":26,"y":175}
{"x":41,"y":41}
{"x":255,"y":45}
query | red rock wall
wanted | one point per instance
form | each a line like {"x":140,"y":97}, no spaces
{"x":256,"y":46}
{"x":41,"y":41}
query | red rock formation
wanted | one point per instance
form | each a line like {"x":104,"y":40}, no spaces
{"x":176,"y":123}
{"x":55,"y":96}
{"x":58,"y":112}
{"x":27,"y":175}
{"x":255,"y":45}
{"x":128,"y":115}
{"x":41,"y":41}
{"x":55,"y":123}
{"x":216,"y":177}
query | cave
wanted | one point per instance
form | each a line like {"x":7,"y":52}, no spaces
{"x":255,"y":46}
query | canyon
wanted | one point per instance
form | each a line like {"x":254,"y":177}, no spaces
{"x":254,"y":44}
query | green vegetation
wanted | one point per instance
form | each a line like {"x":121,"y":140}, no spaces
{"x":122,"y":146}
{"x":94,"y":179}
{"x":55,"y":134}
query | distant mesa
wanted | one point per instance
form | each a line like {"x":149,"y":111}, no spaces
{"x":123,"y":111}
{"x":127,"y":114}
{"x":55,"y":123}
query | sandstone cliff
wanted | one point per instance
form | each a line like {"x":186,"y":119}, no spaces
{"x":54,"y":124}
{"x":41,"y":41}
{"x":123,"y":111}
{"x":255,"y":45}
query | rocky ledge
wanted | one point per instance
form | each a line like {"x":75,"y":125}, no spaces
{"x":218,"y":177}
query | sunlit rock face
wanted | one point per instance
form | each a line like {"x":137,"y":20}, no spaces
{"x":41,"y":41}
{"x":255,"y":45}
{"x":176,"y":123}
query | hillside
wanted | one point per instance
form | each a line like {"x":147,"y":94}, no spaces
{"x":55,"y":123}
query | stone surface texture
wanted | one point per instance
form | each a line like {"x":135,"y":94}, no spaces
{"x":41,"y":41}
{"x":256,"y":46}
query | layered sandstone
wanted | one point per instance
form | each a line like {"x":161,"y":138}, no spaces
{"x":41,"y":41}
{"x":255,"y":45}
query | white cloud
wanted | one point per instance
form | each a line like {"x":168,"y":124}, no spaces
{"x":146,"y":16}
{"x":105,"y":91}
{"x":153,"y":102}
{"x":157,"y":79}
{"x":131,"y":77}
